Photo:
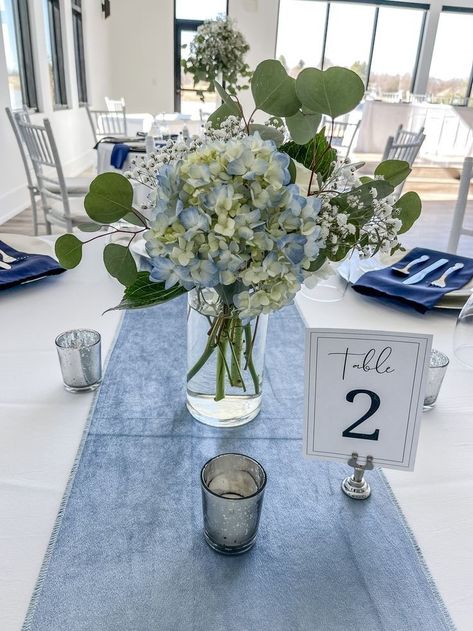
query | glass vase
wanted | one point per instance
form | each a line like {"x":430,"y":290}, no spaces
{"x":225,"y":361}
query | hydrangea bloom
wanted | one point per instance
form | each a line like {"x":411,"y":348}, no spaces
{"x":226,"y":214}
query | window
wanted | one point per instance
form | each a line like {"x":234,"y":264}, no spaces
{"x":52,"y":18}
{"x":451,"y":67}
{"x":349,"y":34}
{"x":79,"y":50}
{"x":358,"y":35}
{"x":18,"y":52}
{"x":189,"y":15}
{"x":308,"y":20}
{"x":393,"y":66}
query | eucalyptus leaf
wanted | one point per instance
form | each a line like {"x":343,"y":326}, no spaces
{"x":133,"y":218}
{"x":393,"y":171}
{"x":410,"y":208}
{"x":316,"y":154}
{"x":358,"y":203}
{"x":68,"y":250}
{"x":89,"y":227}
{"x":274,"y":91}
{"x":221,"y":114}
{"x":292,"y":170}
{"x":110,"y":198}
{"x":268,"y":133}
{"x":333,"y":92}
{"x":146,"y":293}
{"x":120,"y":263}
{"x":303,"y":127}
{"x":227,"y":99}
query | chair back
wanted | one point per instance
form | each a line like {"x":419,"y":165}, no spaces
{"x":405,"y":145}
{"x":42,"y":150}
{"x":342,"y":134}
{"x":23,"y":116}
{"x":105,"y":123}
{"x":457,"y":228}
{"x":404,"y":136}
{"x":115,"y":105}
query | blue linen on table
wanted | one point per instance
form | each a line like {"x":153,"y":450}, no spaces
{"x":120,"y":153}
{"x":27,"y":267}
{"x":129,"y":552}
{"x":385,"y":283}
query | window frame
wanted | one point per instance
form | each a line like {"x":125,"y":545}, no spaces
{"x":378,"y":4}
{"x":79,"y":52}
{"x":182,"y":24}
{"x":60,"y":97}
{"x":24,"y":49}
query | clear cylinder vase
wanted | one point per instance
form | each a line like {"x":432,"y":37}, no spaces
{"x":225,"y":361}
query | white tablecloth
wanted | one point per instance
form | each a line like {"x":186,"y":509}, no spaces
{"x":41,"y":427}
{"x":448,"y":129}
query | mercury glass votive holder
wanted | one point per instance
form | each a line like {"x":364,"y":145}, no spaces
{"x":232,"y":498}
{"x":437,"y":369}
{"x":80,"y":359}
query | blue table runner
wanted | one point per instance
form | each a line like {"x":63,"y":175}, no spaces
{"x":128,"y":552}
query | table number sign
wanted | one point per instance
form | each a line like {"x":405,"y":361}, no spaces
{"x":364,"y":392}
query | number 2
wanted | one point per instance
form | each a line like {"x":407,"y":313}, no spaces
{"x":375,"y":403}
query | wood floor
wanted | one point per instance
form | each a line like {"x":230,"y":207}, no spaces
{"x":431,"y":230}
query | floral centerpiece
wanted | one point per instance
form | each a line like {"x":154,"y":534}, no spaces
{"x":218,"y":51}
{"x":225,"y":221}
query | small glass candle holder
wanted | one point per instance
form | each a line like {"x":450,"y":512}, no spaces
{"x":232,"y":498}
{"x":437,"y":369}
{"x":80,"y":359}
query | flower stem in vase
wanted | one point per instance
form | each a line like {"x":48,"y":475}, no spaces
{"x":236,"y":346}
{"x":249,"y":342}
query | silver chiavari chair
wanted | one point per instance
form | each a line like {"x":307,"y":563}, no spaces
{"x":57,"y":192}
{"x":15,"y":117}
{"x":105,"y":123}
{"x":342,"y":134}
{"x":115,"y":105}
{"x":405,"y":145}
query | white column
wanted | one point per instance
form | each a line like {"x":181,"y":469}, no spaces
{"x":427,"y":49}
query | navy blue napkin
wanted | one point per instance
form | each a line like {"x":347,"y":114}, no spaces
{"x":422,"y":296}
{"x":119,"y":155}
{"x":28,"y":267}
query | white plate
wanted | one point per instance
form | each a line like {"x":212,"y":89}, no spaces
{"x":353,"y":268}
{"x":28,"y":244}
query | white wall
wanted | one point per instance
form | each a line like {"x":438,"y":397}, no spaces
{"x":71,"y":127}
{"x":142,"y":47}
{"x":142,"y":54}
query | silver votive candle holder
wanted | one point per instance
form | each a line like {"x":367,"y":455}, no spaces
{"x":79,"y":353}
{"x":437,"y":368}
{"x":232,"y":498}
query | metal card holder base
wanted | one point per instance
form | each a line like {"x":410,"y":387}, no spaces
{"x":355,"y":486}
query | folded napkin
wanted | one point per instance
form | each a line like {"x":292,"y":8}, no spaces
{"x":27,"y":267}
{"x":119,"y":155}
{"x":422,"y":296}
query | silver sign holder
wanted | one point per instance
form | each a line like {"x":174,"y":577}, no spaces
{"x":355,"y":486}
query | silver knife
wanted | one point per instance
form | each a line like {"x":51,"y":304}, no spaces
{"x":423,"y":273}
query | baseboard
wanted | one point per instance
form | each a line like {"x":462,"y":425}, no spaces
{"x":16,"y":200}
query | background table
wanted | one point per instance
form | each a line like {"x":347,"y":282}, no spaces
{"x":448,"y":129}
{"x":41,"y":427}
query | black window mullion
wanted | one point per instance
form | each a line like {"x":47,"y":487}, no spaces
{"x":372,"y":44}
{"x":54,"y":16}
{"x":324,"y":44}
{"x":21,"y":20}
{"x":79,"y":51}
{"x":419,"y":49}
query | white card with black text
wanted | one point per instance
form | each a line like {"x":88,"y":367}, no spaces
{"x":364,"y":392}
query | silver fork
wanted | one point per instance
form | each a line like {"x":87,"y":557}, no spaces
{"x":405,"y":270}
{"x":6,"y":258}
{"x":4,"y":265}
{"x":440,"y":282}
